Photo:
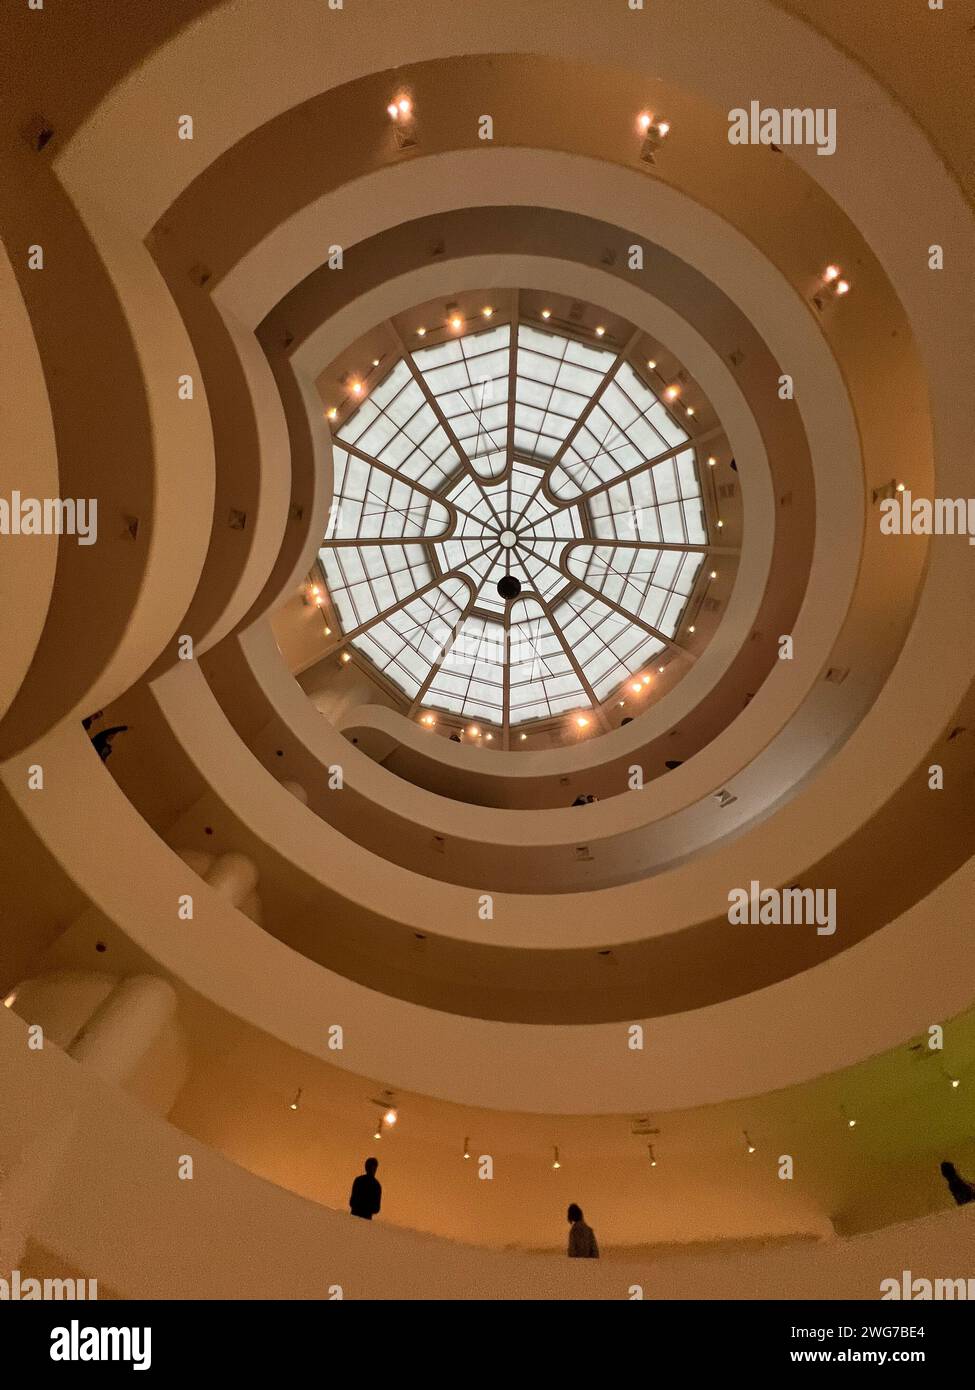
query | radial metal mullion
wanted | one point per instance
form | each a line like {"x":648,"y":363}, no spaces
{"x":435,"y":668}
{"x":686,"y":547}
{"x":580,"y":674}
{"x":596,"y":397}
{"x":638,"y":468}
{"x":431,"y":399}
{"x":434,"y":583}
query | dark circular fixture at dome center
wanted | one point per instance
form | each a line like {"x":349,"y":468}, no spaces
{"x":509,"y":587}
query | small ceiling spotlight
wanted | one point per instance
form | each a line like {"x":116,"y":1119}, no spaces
{"x":546,"y":313}
{"x":467,"y":1148}
{"x":346,"y":656}
{"x":428,"y":719}
{"x":672,"y":392}
{"x":421,"y":332}
{"x":653,"y":1161}
{"x":831,"y":273}
{"x":474,"y":731}
{"x":456,"y":322}
{"x":332,"y":413}
{"x":489,"y":737}
{"x":522,"y":737}
{"x":660,"y":669}
{"x":711,"y":460}
{"x":405,"y":106}
{"x":356,"y":387}
{"x":375,"y":361}
{"x":749,"y":1146}
{"x":401,"y":109}
{"x":645,"y":680}
{"x":600,"y":331}
{"x":714,"y":574}
{"x":636,"y":687}
{"x":581,"y":721}
{"x":377,"y":1132}
{"x":393,"y":110}
{"x":842,"y":287}
{"x":900,"y":487}
{"x":297,"y":1100}
{"x":644,"y":121}
{"x":719,"y":524}
{"x":487,"y":311}
{"x":692,"y":628}
{"x":690,"y":410}
{"x":555,"y":1160}
{"x":955,"y":1083}
{"x":652,"y":365}
{"x":390,"y":1117}
{"x":832,"y":278}
{"x":10,"y":1000}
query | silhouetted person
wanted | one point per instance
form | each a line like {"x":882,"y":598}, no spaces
{"x":962,"y":1190}
{"x":367,"y":1192}
{"x":582,"y":1238}
{"x":102,"y":741}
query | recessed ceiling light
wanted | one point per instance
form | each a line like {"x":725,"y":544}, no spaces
{"x":842,"y":287}
{"x":652,"y":365}
{"x":546,"y":313}
{"x":672,"y":392}
{"x":600,"y":331}
{"x":421,"y":332}
{"x":456,"y":322}
{"x":487,"y":311}
{"x":692,"y":628}
{"x":711,"y":460}
{"x":714,"y":574}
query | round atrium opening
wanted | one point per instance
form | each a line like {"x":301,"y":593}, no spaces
{"x":519,"y":529}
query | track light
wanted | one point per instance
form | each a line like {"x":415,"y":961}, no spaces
{"x":653,"y":1161}
{"x":421,"y":332}
{"x":546,"y":313}
{"x":297,"y":1100}
{"x":672,"y":392}
{"x":749,"y":1146}
{"x":652,"y":365}
{"x":456,"y":322}
{"x":555,"y":1160}
{"x":10,"y":1000}
{"x":487,"y":311}
{"x":467,"y":1148}
{"x":711,"y":460}
{"x":390,"y":1117}
{"x":600,"y":331}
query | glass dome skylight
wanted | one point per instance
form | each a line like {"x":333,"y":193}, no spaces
{"x":512,"y":452}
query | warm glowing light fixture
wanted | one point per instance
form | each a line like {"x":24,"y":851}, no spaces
{"x":581,"y":721}
{"x":711,"y":460}
{"x":555,"y":1160}
{"x":652,"y":365}
{"x":332,"y":413}
{"x":546,"y":313}
{"x":297,"y":1100}
{"x":456,"y":322}
{"x":487,"y":311}
{"x":672,"y":392}
{"x":831,"y":273}
{"x":600,"y":331}
{"x":474,"y":731}
{"x":390,"y":1117}
{"x":346,"y":656}
{"x":421,"y":332}
{"x":356,"y":388}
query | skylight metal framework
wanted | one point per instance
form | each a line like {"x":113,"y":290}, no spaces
{"x":513,"y":450}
